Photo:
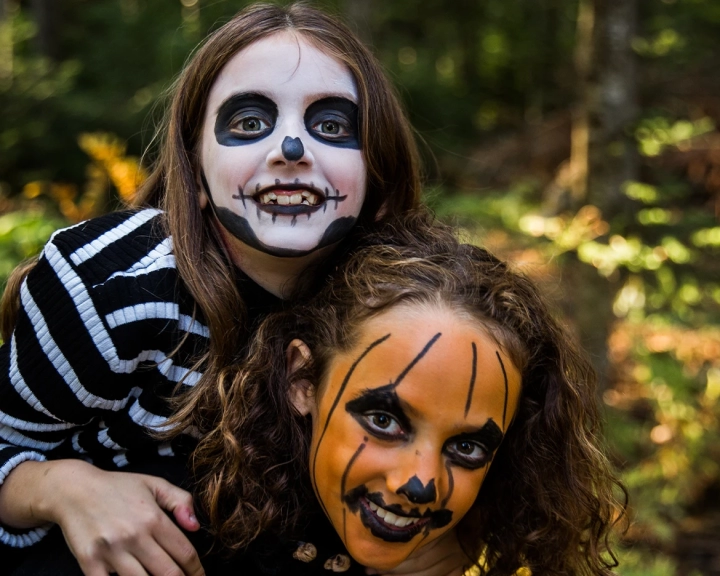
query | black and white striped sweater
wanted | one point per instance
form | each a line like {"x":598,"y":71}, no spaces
{"x":87,"y":370}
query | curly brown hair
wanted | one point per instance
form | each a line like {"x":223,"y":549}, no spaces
{"x":548,"y":501}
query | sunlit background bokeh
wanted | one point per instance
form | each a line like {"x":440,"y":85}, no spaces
{"x":577,"y":138}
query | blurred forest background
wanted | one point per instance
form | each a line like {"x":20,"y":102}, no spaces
{"x":578,"y":138}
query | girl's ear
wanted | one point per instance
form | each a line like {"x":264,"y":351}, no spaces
{"x":302,"y":391}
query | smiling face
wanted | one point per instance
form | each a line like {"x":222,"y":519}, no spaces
{"x":405,"y":426}
{"x":280,"y":154}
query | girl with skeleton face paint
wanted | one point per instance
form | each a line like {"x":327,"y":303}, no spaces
{"x":434,"y":397}
{"x":266,"y":162}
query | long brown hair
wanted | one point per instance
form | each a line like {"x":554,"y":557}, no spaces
{"x":387,"y":144}
{"x":391,"y":157}
{"x":548,"y":501}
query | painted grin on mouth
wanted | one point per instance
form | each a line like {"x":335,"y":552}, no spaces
{"x":391,"y":522}
{"x":390,"y":526}
{"x":291,"y":198}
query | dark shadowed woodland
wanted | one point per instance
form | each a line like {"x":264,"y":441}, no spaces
{"x":578,"y":138}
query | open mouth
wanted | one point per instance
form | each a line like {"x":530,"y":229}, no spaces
{"x":293,"y":198}
{"x":390,"y":526}
{"x":288,"y":198}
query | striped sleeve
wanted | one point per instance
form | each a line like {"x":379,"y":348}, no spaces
{"x":90,"y":314}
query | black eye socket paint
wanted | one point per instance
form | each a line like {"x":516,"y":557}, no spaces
{"x":489,"y":437}
{"x":244,"y":108}
{"x":383,"y":399}
{"x":334,"y":113}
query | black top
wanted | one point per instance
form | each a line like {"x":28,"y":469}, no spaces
{"x":89,"y":369}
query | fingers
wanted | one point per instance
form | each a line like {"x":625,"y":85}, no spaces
{"x":126,"y":565}
{"x":175,"y":500}
{"x":178,"y":550}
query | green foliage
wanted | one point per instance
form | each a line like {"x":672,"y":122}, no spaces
{"x":469,"y":73}
{"x":22,"y":235}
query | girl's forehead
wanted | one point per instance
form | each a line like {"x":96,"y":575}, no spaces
{"x":284,"y":64}
{"x":441,"y":363}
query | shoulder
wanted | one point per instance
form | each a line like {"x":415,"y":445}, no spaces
{"x":116,"y":229}
{"x":119,"y":241}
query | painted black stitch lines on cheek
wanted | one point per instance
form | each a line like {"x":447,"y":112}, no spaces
{"x":244,"y":119}
{"x":334,"y":121}
{"x":239,"y":227}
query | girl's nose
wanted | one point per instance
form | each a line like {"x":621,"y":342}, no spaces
{"x":417,"y":477}
{"x":291,"y":150}
{"x":417,"y":492}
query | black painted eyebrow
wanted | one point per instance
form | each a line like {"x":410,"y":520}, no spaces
{"x":383,"y":399}
{"x":489,"y":435}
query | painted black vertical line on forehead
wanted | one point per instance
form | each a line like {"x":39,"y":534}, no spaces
{"x":472,"y":379}
{"x":417,"y":359}
{"x":451,"y":485}
{"x":339,"y":395}
{"x":506,"y":388}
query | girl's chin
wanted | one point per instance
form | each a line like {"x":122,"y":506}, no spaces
{"x":381,"y":558}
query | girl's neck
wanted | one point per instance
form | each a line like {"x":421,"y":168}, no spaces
{"x":275,"y":274}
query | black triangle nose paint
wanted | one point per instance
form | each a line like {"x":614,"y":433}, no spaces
{"x":292,"y":149}
{"x":414,"y":490}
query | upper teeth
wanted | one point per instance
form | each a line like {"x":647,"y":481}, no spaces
{"x":304,"y":197}
{"x":391,"y":518}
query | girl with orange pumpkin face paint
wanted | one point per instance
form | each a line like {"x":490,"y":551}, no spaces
{"x":434,"y":399}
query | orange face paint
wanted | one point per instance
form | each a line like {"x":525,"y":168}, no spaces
{"x":405,"y":428}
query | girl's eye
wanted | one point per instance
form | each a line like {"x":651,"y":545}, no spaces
{"x":467,"y":453}
{"x":382,"y":424}
{"x":332,"y":129}
{"x":249,"y":125}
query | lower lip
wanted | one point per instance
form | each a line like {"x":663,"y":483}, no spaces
{"x":381,"y":529}
{"x":290,"y":209}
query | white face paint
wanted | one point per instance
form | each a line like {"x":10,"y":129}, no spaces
{"x":280,"y":153}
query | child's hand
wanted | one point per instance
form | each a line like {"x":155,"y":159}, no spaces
{"x":442,"y":557}
{"x":115,"y":521}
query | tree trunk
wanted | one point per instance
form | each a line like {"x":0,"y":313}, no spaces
{"x":7,"y":8}
{"x":603,"y":157}
{"x":46,"y":14}
{"x":358,"y":15}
